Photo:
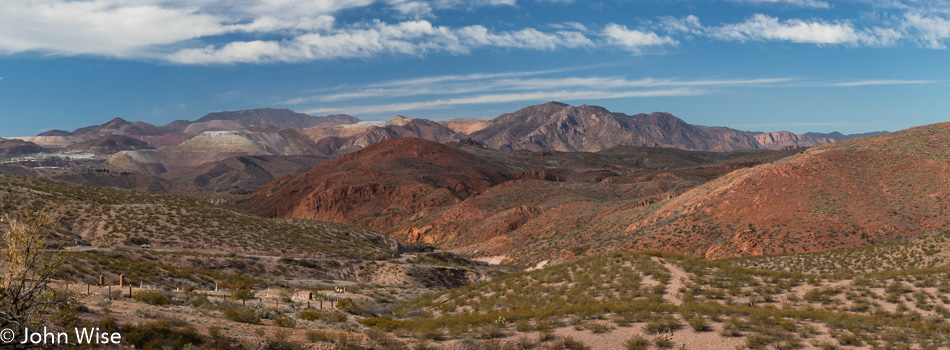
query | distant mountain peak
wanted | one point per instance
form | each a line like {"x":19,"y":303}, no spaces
{"x":55,"y":132}
{"x":281,"y":118}
{"x":399,"y":120}
{"x":562,"y":127}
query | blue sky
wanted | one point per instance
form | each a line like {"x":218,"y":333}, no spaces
{"x":797,"y":65}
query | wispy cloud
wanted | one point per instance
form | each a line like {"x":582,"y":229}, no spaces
{"x":446,"y":91}
{"x":503,"y":98}
{"x":873,"y":82}
{"x":798,"y":3}
{"x":421,"y":85}
{"x":506,"y":83}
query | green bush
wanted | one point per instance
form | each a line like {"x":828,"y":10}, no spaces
{"x":243,"y":315}
{"x":698,"y":324}
{"x":66,"y":315}
{"x":638,"y":342}
{"x":109,"y":325}
{"x":597,"y":327}
{"x":160,"y":334}
{"x":152,"y":297}
{"x":219,"y":341}
{"x":285,"y":321}
{"x":324,"y":316}
{"x":663,"y":342}
{"x":662,"y":324}
{"x":315,"y":336}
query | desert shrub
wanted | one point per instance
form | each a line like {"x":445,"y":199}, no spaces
{"x":732,"y":328}
{"x":66,"y":315}
{"x":199,"y":301}
{"x":285,"y":321}
{"x":355,"y":308}
{"x":568,"y":343}
{"x":637,"y":342}
{"x":325,"y":316}
{"x":152,"y":297}
{"x":662,"y":324}
{"x":243,"y":315}
{"x":383,"y":340}
{"x":663,"y":342}
{"x":698,"y":324}
{"x":757,"y":341}
{"x":849,"y":339}
{"x":489,"y":331}
{"x":161,"y":334}
{"x":267,"y":313}
{"x":109,"y":325}
{"x":219,"y":341}
{"x":315,"y":336}
{"x":280,"y":344}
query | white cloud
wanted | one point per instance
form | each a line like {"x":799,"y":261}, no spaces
{"x":765,"y":28}
{"x":108,"y":27}
{"x":293,"y":8}
{"x":634,"y":40}
{"x":930,"y":31}
{"x":260,"y":31}
{"x":799,"y":3}
{"x":471,"y":3}
{"x":410,"y":37}
{"x":528,"y":38}
{"x":413,"y":9}
{"x":150,"y":28}
{"x":366,"y":40}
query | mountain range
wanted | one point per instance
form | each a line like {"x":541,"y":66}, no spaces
{"x":186,"y":152}
{"x":550,"y":126}
{"x":549,"y":180}
{"x":532,"y":206}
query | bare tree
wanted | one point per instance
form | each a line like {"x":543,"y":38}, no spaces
{"x":26,"y":267}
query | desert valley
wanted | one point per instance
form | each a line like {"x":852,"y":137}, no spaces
{"x":552,"y":227}
{"x":475,"y":174}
